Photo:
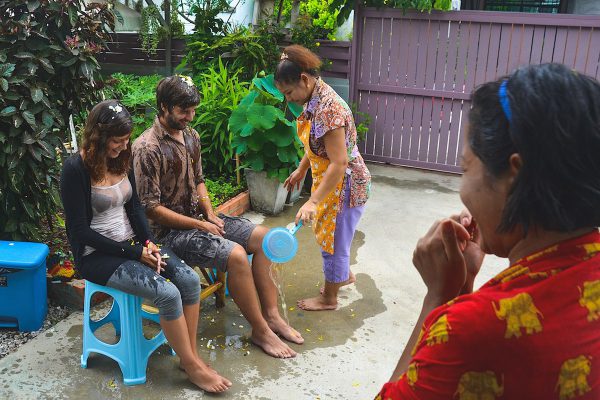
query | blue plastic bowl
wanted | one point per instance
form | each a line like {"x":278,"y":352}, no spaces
{"x":280,"y":245}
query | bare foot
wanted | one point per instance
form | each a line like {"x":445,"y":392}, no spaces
{"x":206,"y":379}
{"x":316,"y":304}
{"x":181,"y":367}
{"x":349,"y":281}
{"x":271,"y":344}
{"x":281,"y":328}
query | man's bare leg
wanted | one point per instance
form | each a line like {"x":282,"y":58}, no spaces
{"x":176,"y":333}
{"x":243,"y":291}
{"x":267,"y":291}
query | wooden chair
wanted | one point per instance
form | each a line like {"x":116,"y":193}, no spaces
{"x":215,"y":283}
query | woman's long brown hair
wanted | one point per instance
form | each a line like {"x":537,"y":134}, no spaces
{"x":107,"y":119}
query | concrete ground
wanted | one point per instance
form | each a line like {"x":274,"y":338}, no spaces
{"x":348,"y":353}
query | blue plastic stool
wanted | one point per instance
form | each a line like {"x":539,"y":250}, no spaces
{"x":133,"y":349}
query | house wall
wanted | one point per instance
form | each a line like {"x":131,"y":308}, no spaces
{"x":584,"y":7}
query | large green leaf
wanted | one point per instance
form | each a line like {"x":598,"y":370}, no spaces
{"x":29,"y":118}
{"x":7,"y":111}
{"x":238,"y":119}
{"x":247,"y":130}
{"x":264,"y":116}
{"x":287,"y":154}
{"x":255,"y":161}
{"x":239,"y":145}
{"x":249,"y":98}
{"x":47,"y":65}
{"x":6,"y":70}
{"x":281,"y":135}
{"x":256,"y":142}
{"x":295,"y":109}
{"x":4,"y":84}
{"x":32,"y":5}
{"x":87,"y":70}
{"x":36,"y":94}
{"x":27,"y":138}
{"x":24,"y":54}
{"x":268,"y":85}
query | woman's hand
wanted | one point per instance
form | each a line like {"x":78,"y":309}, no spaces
{"x":294,"y":180}
{"x":471,"y":249}
{"x":440,"y":260}
{"x":151,"y":258}
{"x":307,"y":212}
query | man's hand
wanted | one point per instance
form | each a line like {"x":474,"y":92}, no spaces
{"x":212,"y":217}
{"x":211,"y":228}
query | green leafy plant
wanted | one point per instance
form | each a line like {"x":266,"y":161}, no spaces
{"x":153,"y":27}
{"x":306,"y":33}
{"x":362,"y":120}
{"x":239,"y":49}
{"x":48,"y":71}
{"x":221,"y":92}
{"x":138,"y":94}
{"x":221,"y":190}
{"x":262,"y":132}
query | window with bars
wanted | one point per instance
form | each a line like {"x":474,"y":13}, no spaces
{"x":532,"y":6}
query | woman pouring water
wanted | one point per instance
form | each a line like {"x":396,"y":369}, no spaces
{"x":341,"y":180}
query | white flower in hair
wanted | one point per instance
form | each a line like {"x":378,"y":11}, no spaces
{"x":187,"y":80}
{"x":283,"y":57}
{"x":117,"y":109}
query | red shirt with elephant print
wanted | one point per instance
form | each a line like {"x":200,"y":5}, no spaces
{"x":532,"y":332}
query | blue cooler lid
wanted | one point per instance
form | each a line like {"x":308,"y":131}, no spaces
{"x":22,"y":255}
{"x":280,"y":245}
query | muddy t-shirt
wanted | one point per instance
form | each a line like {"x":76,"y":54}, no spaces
{"x":532,"y":332}
{"x":168,"y":172}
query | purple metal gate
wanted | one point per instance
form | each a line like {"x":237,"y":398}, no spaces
{"x":413,"y":73}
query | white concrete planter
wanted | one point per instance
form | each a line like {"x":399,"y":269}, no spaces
{"x":267,"y":195}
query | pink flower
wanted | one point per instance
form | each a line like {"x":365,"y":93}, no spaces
{"x":72,"y":42}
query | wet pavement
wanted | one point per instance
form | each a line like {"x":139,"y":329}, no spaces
{"x":348,"y":353}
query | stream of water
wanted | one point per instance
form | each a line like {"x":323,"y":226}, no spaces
{"x":276,"y":274}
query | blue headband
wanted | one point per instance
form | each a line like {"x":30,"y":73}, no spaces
{"x":504,"y":102}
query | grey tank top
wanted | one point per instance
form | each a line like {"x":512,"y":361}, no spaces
{"x":109,"y":217}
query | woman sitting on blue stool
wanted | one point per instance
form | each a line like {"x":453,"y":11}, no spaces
{"x":112,"y":244}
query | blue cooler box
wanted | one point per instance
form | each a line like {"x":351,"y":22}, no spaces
{"x":23,"y":300}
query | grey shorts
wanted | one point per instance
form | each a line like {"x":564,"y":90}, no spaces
{"x":203,"y":249}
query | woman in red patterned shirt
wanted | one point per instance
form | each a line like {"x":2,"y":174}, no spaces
{"x":531,"y":185}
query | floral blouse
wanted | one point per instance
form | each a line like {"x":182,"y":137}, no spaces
{"x":327,"y":111}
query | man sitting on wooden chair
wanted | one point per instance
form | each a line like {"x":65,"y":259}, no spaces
{"x":170,"y":183}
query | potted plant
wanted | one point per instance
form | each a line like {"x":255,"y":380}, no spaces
{"x":264,"y":135}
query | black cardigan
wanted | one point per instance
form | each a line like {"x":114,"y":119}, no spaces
{"x":76,"y":195}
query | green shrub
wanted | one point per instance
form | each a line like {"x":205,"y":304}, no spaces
{"x":138,"y":94}
{"x":221,"y":190}
{"x":48,"y":71}
{"x":221,"y":92}
{"x":239,"y":49}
